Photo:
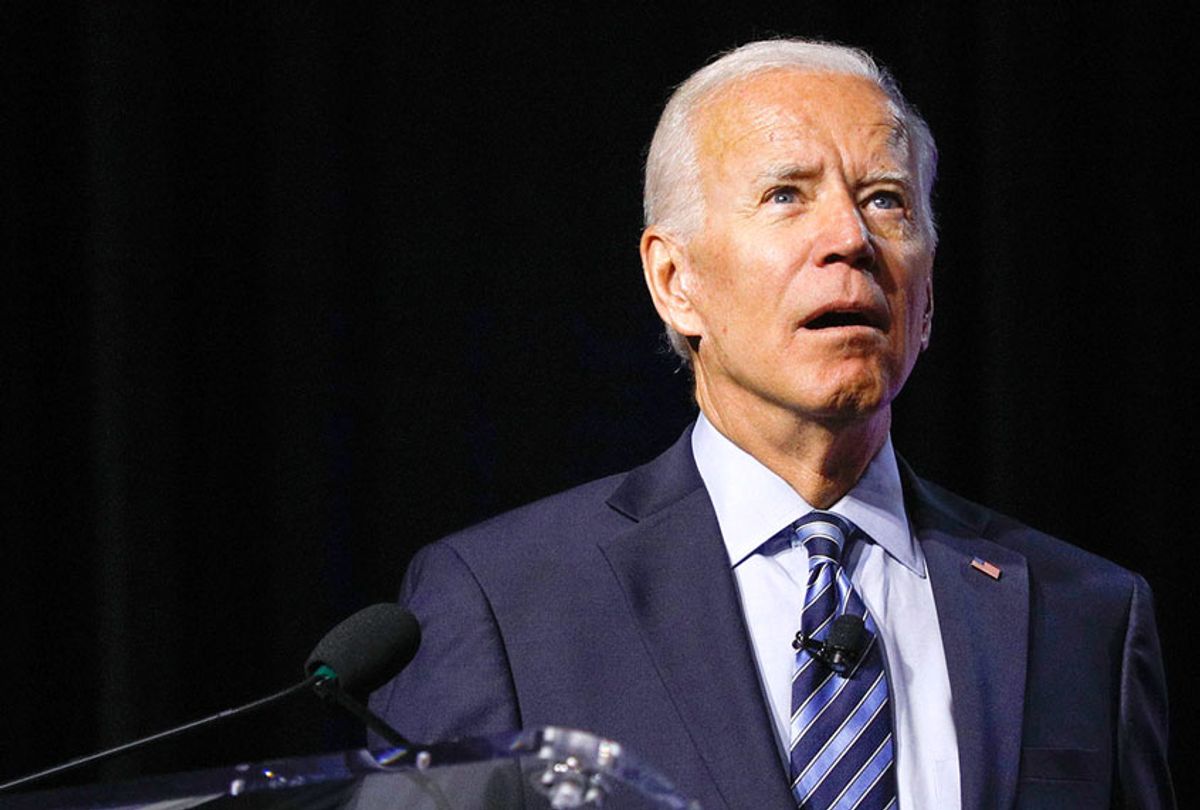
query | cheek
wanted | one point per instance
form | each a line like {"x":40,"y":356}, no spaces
{"x":735,"y":282}
{"x":915,"y":318}
{"x":908,"y":282}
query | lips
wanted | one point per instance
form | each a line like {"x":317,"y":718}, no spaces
{"x":837,"y":315}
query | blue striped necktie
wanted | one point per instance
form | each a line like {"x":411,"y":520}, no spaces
{"x":841,"y":748}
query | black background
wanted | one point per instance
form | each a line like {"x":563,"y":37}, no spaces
{"x":291,"y":289}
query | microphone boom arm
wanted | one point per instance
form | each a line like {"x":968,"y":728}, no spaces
{"x":133,"y":745}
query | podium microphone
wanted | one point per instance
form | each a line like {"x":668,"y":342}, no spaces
{"x":358,"y":655}
{"x":362,"y":654}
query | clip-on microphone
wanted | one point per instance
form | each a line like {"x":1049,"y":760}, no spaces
{"x":843,"y":646}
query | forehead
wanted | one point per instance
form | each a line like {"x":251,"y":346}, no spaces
{"x":800,"y":115}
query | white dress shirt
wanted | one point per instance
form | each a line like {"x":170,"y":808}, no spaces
{"x":752,"y":505}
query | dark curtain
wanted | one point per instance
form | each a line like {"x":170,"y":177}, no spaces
{"x":291,"y":289}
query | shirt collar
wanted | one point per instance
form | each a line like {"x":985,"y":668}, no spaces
{"x":753,"y":504}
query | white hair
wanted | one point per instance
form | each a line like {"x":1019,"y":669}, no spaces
{"x":672,"y":197}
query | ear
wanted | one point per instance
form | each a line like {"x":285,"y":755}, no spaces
{"x":670,"y":279}
{"x":927,"y":316}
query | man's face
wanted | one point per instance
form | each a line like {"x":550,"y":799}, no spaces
{"x":810,"y":280}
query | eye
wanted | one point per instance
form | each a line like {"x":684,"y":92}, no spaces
{"x":784,"y":195}
{"x":886,"y":200}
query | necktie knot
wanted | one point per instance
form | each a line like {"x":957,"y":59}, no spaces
{"x":824,"y":536}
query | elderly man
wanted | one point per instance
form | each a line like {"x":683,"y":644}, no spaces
{"x":777,"y":612}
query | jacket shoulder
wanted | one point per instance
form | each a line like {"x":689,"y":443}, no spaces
{"x":580,"y":517}
{"x":555,"y":523}
{"x":1049,"y":558}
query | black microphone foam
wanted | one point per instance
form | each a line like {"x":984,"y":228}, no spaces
{"x":369,"y":648}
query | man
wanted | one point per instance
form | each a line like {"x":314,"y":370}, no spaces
{"x":686,"y":608}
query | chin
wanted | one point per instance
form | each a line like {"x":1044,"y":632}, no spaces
{"x":851,"y":409}
{"x":853,"y":400}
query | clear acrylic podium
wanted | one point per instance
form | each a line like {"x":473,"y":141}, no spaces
{"x":530,"y":770}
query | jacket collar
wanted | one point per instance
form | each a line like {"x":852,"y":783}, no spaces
{"x":675,"y":573}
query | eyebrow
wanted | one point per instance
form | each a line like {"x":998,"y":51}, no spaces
{"x":787,"y":172}
{"x":792,"y":172}
{"x":902,"y":178}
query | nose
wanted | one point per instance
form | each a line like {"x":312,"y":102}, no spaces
{"x":842,"y":236}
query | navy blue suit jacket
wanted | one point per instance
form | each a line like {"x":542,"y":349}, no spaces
{"x":612,"y":608}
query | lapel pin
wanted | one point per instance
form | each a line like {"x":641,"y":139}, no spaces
{"x":985,"y":567}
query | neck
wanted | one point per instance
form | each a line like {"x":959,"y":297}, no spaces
{"x":820,"y":458}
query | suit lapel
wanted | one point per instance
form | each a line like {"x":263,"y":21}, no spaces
{"x":985,"y":634}
{"x":675,"y":573}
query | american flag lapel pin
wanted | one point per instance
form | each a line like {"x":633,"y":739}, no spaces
{"x":985,"y":567}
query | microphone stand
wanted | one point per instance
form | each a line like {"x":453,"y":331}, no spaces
{"x":328,"y":687}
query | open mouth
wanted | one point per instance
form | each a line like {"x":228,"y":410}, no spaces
{"x":831,"y":320}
